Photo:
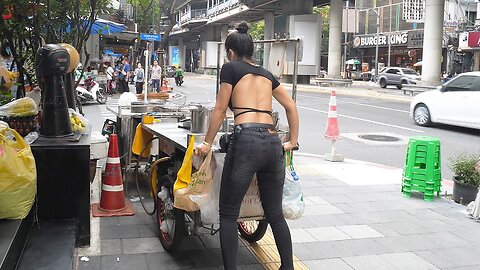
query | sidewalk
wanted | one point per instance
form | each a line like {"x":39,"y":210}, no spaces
{"x":355,"y":218}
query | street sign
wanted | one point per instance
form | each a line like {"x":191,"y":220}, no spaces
{"x":150,"y":37}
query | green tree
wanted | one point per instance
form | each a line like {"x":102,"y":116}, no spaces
{"x":30,"y":24}
{"x":325,"y":14}
{"x":257,"y":30}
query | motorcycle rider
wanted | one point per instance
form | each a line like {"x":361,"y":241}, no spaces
{"x":178,"y":76}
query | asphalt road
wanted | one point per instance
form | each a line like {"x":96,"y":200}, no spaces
{"x":358,"y":116}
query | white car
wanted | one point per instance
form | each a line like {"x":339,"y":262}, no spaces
{"x":457,"y":102}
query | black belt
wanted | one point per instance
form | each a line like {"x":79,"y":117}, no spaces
{"x":259,"y":126}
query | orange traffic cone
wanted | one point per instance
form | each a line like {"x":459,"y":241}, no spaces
{"x":112,"y":199}
{"x":332,"y":131}
{"x":164,"y":85}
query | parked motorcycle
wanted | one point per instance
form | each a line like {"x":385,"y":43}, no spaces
{"x":91,"y":91}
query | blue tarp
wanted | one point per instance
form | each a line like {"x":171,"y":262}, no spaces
{"x":102,"y":26}
{"x":105,"y":27}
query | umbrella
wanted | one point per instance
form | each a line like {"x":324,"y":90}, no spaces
{"x":353,"y":62}
{"x":418,"y":64}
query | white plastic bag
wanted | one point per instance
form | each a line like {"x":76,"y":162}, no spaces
{"x":208,"y":202}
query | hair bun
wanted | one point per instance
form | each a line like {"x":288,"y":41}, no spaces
{"x":242,"y":27}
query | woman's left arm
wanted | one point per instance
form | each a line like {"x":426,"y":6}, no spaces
{"x":218,"y":115}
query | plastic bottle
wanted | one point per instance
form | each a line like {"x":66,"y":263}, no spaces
{"x":31,"y":137}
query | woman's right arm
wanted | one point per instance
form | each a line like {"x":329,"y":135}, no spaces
{"x":282,"y":96}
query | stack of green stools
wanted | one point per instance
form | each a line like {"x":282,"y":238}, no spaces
{"x":422,"y":170}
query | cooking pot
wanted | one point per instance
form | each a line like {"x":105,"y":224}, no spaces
{"x":200,"y":117}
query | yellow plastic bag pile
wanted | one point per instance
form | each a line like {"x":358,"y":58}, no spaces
{"x":18,"y":176}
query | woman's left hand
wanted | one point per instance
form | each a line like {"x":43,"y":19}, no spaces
{"x":202,"y":150}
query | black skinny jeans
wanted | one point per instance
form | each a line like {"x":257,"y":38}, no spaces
{"x":253,"y":150}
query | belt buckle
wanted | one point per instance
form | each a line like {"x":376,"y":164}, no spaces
{"x":237,"y":129}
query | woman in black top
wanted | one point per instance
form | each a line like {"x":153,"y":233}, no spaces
{"x":248,"y":90}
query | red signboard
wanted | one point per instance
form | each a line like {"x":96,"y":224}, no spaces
{"x":474,"y":39}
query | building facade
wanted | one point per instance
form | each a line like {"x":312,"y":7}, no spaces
{"x":401,"y":33}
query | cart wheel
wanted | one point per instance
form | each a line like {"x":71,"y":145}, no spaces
{"x":173,"y":219}
{"x":252,"y":230}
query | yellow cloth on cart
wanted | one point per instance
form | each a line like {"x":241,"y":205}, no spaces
{"x":184,"y":174}
{"x":18,"y":176}
{"x":140,"y":140}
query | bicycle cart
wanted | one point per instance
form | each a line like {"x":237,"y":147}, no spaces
{"x":172,"y":146}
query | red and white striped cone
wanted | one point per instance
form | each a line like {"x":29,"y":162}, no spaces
{"x":332,"y":131}
{"x":112,"y":200}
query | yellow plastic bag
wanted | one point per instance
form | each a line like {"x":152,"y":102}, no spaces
{"x":140,"y":140}
{"x":18,"y":176}
{"x":201,"y":183}
{"x":185,"y":172}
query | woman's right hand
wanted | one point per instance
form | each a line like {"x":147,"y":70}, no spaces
{"x":289,"y":146}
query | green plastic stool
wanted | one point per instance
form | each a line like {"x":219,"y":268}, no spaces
{"x":422,"y":171}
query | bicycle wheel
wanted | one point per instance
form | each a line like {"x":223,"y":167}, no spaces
{"x":252,"y":230}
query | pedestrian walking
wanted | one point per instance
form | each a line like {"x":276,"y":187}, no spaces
{"x":139,"y":77}
{"x":255,"y":149}
{"x":156,"y":76}
{"x":124,"y":76}
{"x":109,"y":72}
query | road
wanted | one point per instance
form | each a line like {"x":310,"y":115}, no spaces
{"x":357,"y":116}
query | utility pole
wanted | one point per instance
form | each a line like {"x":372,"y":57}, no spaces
{"x":388,"y":38}
{"x":376,"y":46}
{"x":345,"y":44}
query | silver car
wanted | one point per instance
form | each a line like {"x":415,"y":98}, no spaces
{"x":397,"y":76}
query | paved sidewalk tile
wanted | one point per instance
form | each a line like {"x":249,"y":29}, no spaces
{"x":170,"y":261}
{"x":326,"y":209}
{"x":119,"y":231}
{"x":111,"y":246}
{"x":316,"y":200}
{"x":368,"y":263}
{"x":328,"y":234}
{"x":302,"y":223}
{"x":330,"y":264}
{"x":360,"y":231}
{"x":141,"y":245}
{"x":124,"y":262}
{"x":301,"y":236}
{"x":320,"y":250}
{"x":407,"y":261}
{"x":362,"y":247}
{"x":94,"y":263}
{"x":148,"y":230}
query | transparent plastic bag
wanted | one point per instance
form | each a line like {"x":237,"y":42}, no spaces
{"x":293,"y":204}
{"x":208,"y":201}
{"x":19,"y":108}
{"x":79,"y":123}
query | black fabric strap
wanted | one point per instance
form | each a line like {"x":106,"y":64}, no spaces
{"x":250,"y":110}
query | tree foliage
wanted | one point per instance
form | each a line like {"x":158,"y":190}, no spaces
{"x":30,"y":24}
{"x":257,"y":30}
{"x":325,"y":14}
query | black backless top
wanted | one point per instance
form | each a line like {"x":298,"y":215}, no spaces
{"x":234,"y":71}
